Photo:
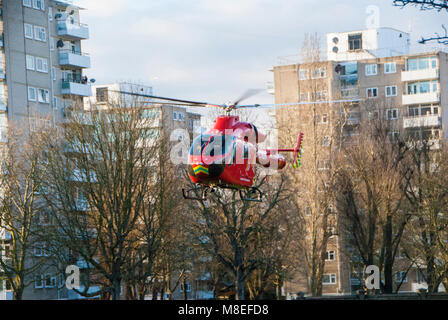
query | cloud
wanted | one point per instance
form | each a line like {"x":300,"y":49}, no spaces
{"x":104,"y":8}
{"x":214,"y":50}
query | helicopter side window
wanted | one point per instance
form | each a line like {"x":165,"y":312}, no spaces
{"x":219,"y":145}
{"x":245,"y":152}
{"x":199,"y":144}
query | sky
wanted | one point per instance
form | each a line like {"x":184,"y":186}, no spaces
{"x":214,"y":50}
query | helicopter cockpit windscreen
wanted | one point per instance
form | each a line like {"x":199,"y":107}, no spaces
{"x":214,"y":145}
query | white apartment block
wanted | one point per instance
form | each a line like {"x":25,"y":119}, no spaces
{"x":41,"y":74}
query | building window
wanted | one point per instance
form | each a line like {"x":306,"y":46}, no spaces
{"x":185,"y":287}
{"x":371,"y":69}
{"x":323,"y":165}
{"x":39,"y":4}
{"x":32,"y":95}
{"x":178,"y":116}
{"x":40,"y":33}
{"x":355,"y":42}
{"x":43,"y":95}
{"x":326,"y":141}
{"x":329,"y":278}
{"x":401,"y":277}
{"x":391,"y":91}
{"x":372,"y":92}
{"x":390,"y":67}
{"x":308,"y":211}
{"x":324,"y":118}
{"x":27,"y":3}
{"x":303,"y":97}
{"x":394,"y":136}
{"x":422,"y":87}
{"x":30,"y":62}
{"x":319,"y":73}
{"x":303,"y":74}
{"x":39,"y":281}
{"x":391,"y":114}
{"x":102,"y":94}
{"x":50,"y":281}
{"x":28,"y":29}
{"x":330,"y":256}
{"x":55,"y":102}
{"x":42,"y":65}
{"x":422,"y":63}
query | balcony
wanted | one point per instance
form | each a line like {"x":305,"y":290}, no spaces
{"x":76,"y":88}
{"x":424,"y":74}
{"x":73,"y":60}
{"x":72,"y":30}
{"x":422,"y":121}
{"x":421,"y":98}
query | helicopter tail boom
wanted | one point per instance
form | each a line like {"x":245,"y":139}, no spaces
{"x":297,"y":151}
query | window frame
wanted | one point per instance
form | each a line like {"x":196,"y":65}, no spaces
{"x":305,"y":73}
{"x":27,"y":35}
{"x":351,"y":40}
{"x":391,"y":87}
{"x":28,"y":59}
{"x":392,"y":110}
{"x":38,"y":32}
{"x":44,"y":63}
{"x":368,"y":69}
{"x":367,"y":92}
{"x":390,"y":64}
{"x":35,"y":94}
{"x":47,"y":95}
{"x":331,"y":277}
{"x":330,"y":255}
{"x":27,"y":3}
{"x":41,"y":286}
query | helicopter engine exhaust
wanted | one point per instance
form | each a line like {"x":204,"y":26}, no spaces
{"x":275,"y":161}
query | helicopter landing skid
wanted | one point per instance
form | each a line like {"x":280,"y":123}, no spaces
{"x":187,"y":193}
{"x":252,"y":194}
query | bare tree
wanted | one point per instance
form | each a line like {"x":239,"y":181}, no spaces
{"x":370,"y":178}
{"x":21,"y":204}
{"x":438,"y":5}
{"x":227,"y":228}
{"x":100,"y":170}
{"x":426,"y":191}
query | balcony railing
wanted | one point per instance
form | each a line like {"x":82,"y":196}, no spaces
{"x":424,"y":74}
{"x":421,"y":98}
{"x":76,"y":87}
{"x":72,"y":30}
{"x":72,"y":59}
{"x":433,"y":120}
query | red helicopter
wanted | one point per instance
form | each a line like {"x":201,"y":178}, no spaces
{"x":225,"y":156}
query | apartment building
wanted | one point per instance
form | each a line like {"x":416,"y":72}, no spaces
{"x":169,"y":117}
{"x":378,"y":76}
{"x":41,"y":74}
{"x":177,"y":125}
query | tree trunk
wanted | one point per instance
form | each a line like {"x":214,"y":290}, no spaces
{"x":388,"y":259}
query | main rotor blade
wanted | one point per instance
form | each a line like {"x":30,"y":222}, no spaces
{"x":200,"y":104}
{"x":281,"y":105}
{"x":246,"y":95}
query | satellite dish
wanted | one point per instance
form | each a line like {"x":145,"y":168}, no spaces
{"x":72,"y":12}
{"x":338,"y":68}
{"x":335,"y":40}
{"x":335,"y":49}
{"x":92,"y":80}
{"x":60,"y":44}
